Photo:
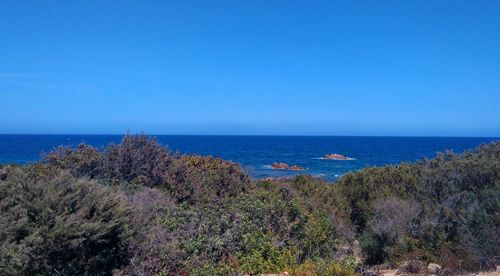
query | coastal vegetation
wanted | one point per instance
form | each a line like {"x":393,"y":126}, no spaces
{"x":136,"y":208}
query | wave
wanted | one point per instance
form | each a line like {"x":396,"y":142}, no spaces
{"x":347,"y":159}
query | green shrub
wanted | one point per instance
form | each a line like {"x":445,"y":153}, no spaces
{"x":457,"y":198}
{"x":258,"y":254}
{"x":202,"y":179}
{"x":59,"y":226}
{"x":84,"y":161}
{"x":210,"y":269}
{"x":137,"y":209}
{"x":139,"y":160}
{"x":313,"y":268}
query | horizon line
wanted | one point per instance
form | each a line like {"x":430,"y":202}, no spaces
{"x":248,"y":135}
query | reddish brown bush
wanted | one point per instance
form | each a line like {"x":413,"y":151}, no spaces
{"x":139,"y":159}
{"x":199,"y":178}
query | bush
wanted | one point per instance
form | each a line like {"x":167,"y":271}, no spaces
{"x":138,"y":159}
{"x":454,"y":222}
{"x":392,"y":217}
{"x":201,"y":179}
{"x":412,"y":267}
{"x":137,"y":209}
{"x":3,"y":172}
{"x":59,"y":226}
{"x":258,"y":254}
{"x":84,"y":161}
{"x":314,"y":195}
{"x":256,"y":231}
{"x":311,"y":268}
{"x":149,"y":248}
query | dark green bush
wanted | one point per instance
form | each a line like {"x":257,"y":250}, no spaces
{"x":60,"y":226}
{"x":458,"y":203}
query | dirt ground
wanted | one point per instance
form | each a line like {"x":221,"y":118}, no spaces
{"x":393,"y":272}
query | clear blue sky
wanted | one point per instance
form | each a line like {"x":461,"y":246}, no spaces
{"x":251,"y":67}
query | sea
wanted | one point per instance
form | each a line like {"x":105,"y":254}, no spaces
{"x":256,"y":154}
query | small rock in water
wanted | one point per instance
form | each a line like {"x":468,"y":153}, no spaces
{"x":284,"y":166}
{"x":336,"y":156}
{"x":296,"y":168}
{"x":279,"y":166}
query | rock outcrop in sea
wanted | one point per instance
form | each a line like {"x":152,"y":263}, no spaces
{"x":336,"y":156}
{"x":285,"y":166}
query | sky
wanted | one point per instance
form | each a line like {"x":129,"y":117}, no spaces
{"x":260,"y":67}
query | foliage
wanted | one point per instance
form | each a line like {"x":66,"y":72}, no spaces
{"x":84,"y":161}
{"x":201,"y":179}
{"x":139,"y":160}
{"x":443,"y":210}
{"x":258,"y":231}
{"x":259,"y":255}
{"x":136,"y":208}
{"x":60,"y":226}
{"x":149,"y":248}
{"x":311,"y":268}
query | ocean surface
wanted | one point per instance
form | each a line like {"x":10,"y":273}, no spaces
{"x":257,"y":153}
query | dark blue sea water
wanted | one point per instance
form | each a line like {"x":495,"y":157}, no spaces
{"x":257,"y":153}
